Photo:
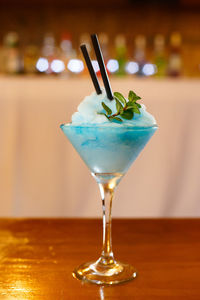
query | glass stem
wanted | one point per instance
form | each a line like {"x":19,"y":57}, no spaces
{"x":107,"y":196}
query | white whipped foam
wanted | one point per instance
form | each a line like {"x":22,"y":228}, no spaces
{"x":90,"y":107}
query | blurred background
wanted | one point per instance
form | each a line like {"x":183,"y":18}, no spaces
{"x":152,"y":47}
{"x":162,"y":33}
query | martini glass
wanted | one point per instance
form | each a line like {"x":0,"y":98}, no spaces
{"x":108,"y":151}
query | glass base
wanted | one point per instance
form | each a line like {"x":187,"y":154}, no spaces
{"x":105,"y":274}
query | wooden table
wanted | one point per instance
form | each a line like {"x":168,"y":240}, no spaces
{"x":37,"y":257}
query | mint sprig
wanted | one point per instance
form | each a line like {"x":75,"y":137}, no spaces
{"x":125,"y":109}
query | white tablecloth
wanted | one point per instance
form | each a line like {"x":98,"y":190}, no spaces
{"x":42,"y":175}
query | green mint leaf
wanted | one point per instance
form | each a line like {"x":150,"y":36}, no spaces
{"x":138,"y":105}
{"x":133,"y":97}
{"x":130,"y":108}
{"x":130,"y":104}
{"x":103,"y":115}
{"x":117,"y":119}
{"x":107,"y":109}
{"x":137,"y":98}
{"x":133,"y":106}
{"x":136,"y":109}
{"x":118,"y":106}
{"x":120,"y":97}
{"x":127,"y":114}
{"x":124,"y":109}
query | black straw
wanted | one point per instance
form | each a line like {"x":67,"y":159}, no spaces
{"x":91,"y":69}
{"x":102,"y":67}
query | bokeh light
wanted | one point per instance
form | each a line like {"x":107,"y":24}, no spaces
{"x":42,"y":64}
{"x":112,"y":65}
{"x":75,"y":65}
{"x":57,"y":66}
{"x":149,"y":69}
{"x":132,"y":67}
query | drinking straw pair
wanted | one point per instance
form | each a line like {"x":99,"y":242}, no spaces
{"x":102,"y":67}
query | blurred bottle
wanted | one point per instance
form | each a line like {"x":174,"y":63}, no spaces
{"x":31,"y":55}
{"x":121,"y":53}
{"x":75,"y":64}
{"x":66,"y":51}
{"x":13,"y":62}
{"x":85,"y":39}
{"x":140,"y":53}
{"x":175,"y":60}
{"x":104,"y":42}
{"x":49,"y":50}
{"x":160,"y":56}
{"x":66,"y":47}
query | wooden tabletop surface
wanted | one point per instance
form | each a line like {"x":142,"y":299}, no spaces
{"x":37,"y":257}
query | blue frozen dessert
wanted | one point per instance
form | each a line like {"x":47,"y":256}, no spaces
{"x":107,"y":141}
